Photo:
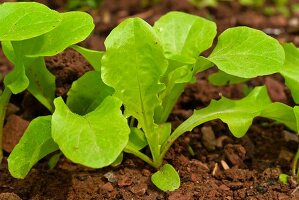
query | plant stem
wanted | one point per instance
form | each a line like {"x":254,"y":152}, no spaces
{"x":132,"y":122}
{"x":4,"y":99}
{"x":171,"y":96}
{"x":186,"y":126}
{"x":294,"y":164}
{"x":140,"y":155}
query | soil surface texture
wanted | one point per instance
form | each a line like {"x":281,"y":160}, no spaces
{"x":212,"y":163}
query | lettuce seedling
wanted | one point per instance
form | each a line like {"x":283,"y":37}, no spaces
{"x":28,"y":32}
{"x":123,"y":105}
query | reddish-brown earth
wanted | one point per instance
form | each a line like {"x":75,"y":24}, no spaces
{"x":212,"y":163}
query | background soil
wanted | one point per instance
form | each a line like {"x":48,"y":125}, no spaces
{"x":212,"y":163}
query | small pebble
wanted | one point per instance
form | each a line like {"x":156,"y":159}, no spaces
{"x":224,"y":165}
{"x":261,"y":189}
{"x":224,"y":187}
{"x":124,"y":181}
{"x":139,"y":189}
{"x":208,"y":138}
{"x":108,"y":187}
{"x":146,"y":172}
{"x":9,"y":196}
{"x":110,"y":176}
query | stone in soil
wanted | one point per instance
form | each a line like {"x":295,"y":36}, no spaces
{"x":13,"y":131}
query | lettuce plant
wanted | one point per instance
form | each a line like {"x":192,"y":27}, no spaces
{"x":123,"y":105}
{"x":28,"y":32}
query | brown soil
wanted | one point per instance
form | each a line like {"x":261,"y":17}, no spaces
{"x":212,"y":163}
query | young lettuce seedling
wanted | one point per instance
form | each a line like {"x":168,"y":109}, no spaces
{"x":145,"y":70}
{"x":28,"y":32}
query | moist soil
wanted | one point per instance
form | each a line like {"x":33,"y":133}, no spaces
{"x":212,"y":163}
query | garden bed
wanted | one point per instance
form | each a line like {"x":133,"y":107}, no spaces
{"x":211,"y":162}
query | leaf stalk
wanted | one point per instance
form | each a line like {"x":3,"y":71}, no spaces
{"x":4,"y":99}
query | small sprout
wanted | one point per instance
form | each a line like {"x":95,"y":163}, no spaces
{"x":283,"y":178}
{"x":166,"y":179}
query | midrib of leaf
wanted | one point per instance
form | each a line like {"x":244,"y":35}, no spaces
{"x":184,"y":39}
{"x":148,"y":129}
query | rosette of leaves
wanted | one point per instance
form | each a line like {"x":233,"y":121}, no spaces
{"x":28,"y":32}
{"x":124,"y":104}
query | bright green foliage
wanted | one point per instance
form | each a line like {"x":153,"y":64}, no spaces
{"x":290,"y":70}
{"x":143,"y":72}
{"x":163,"y":131}
{"x":237,"y":114}
{"x":87,"y":93}
{"x":252,"y":2}
{"x":221,"y":78}
{"x":72,"y":28}
{"x":93,"y":57}
{"x":284,"y":178}
{"x":133,"y":65}
{"x":296,"y":111}
{"x":204,"y":3}
{"x":137,"y":139}
{"x":167,"y":178}
{"x":54,"y":160}
{"x":95,"y":139}
{"x":79,"y":4}
{"x":247,"y":53}
{"x":75,"y":27}
{"x":20,"y":21}
{"x":42,"y":82}
{"x":184,"y":36}
{"x":35,"y":144}
{"x":17,"y":81}
{"x":281,"y":113}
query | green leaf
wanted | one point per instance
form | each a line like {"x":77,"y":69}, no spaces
{"x":93,"y":57}
{"x":35,"y":144}
{"x":74,"y":28}
{"x":163,"y":131}
{"x":237,"y":114}
{"x":8,"y":51}
{"x":137,"y":139}
{"x":175,"y":80}
{"x":54,"y":160}
{"x":133,"y":65}
{"x":247,"y":53}
{"x":167,"y":178}
{"x":87,"y":93}
{"x":296,"y":111}
{"x":79,"y":4}
{"x":17,"y":80}
{"x":95,"y":139}
{"x":290,"y":70}
{"x":41,"y":82}
{"x":283,"y":178}
{"x":118,"y":160}
{"x":20,"y":21}
{"x":202,"y":64}
{"x":281,"y":113}
{"x":221,"y":78}
{"x":175,"y":83}
{"x":185,"y":36}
